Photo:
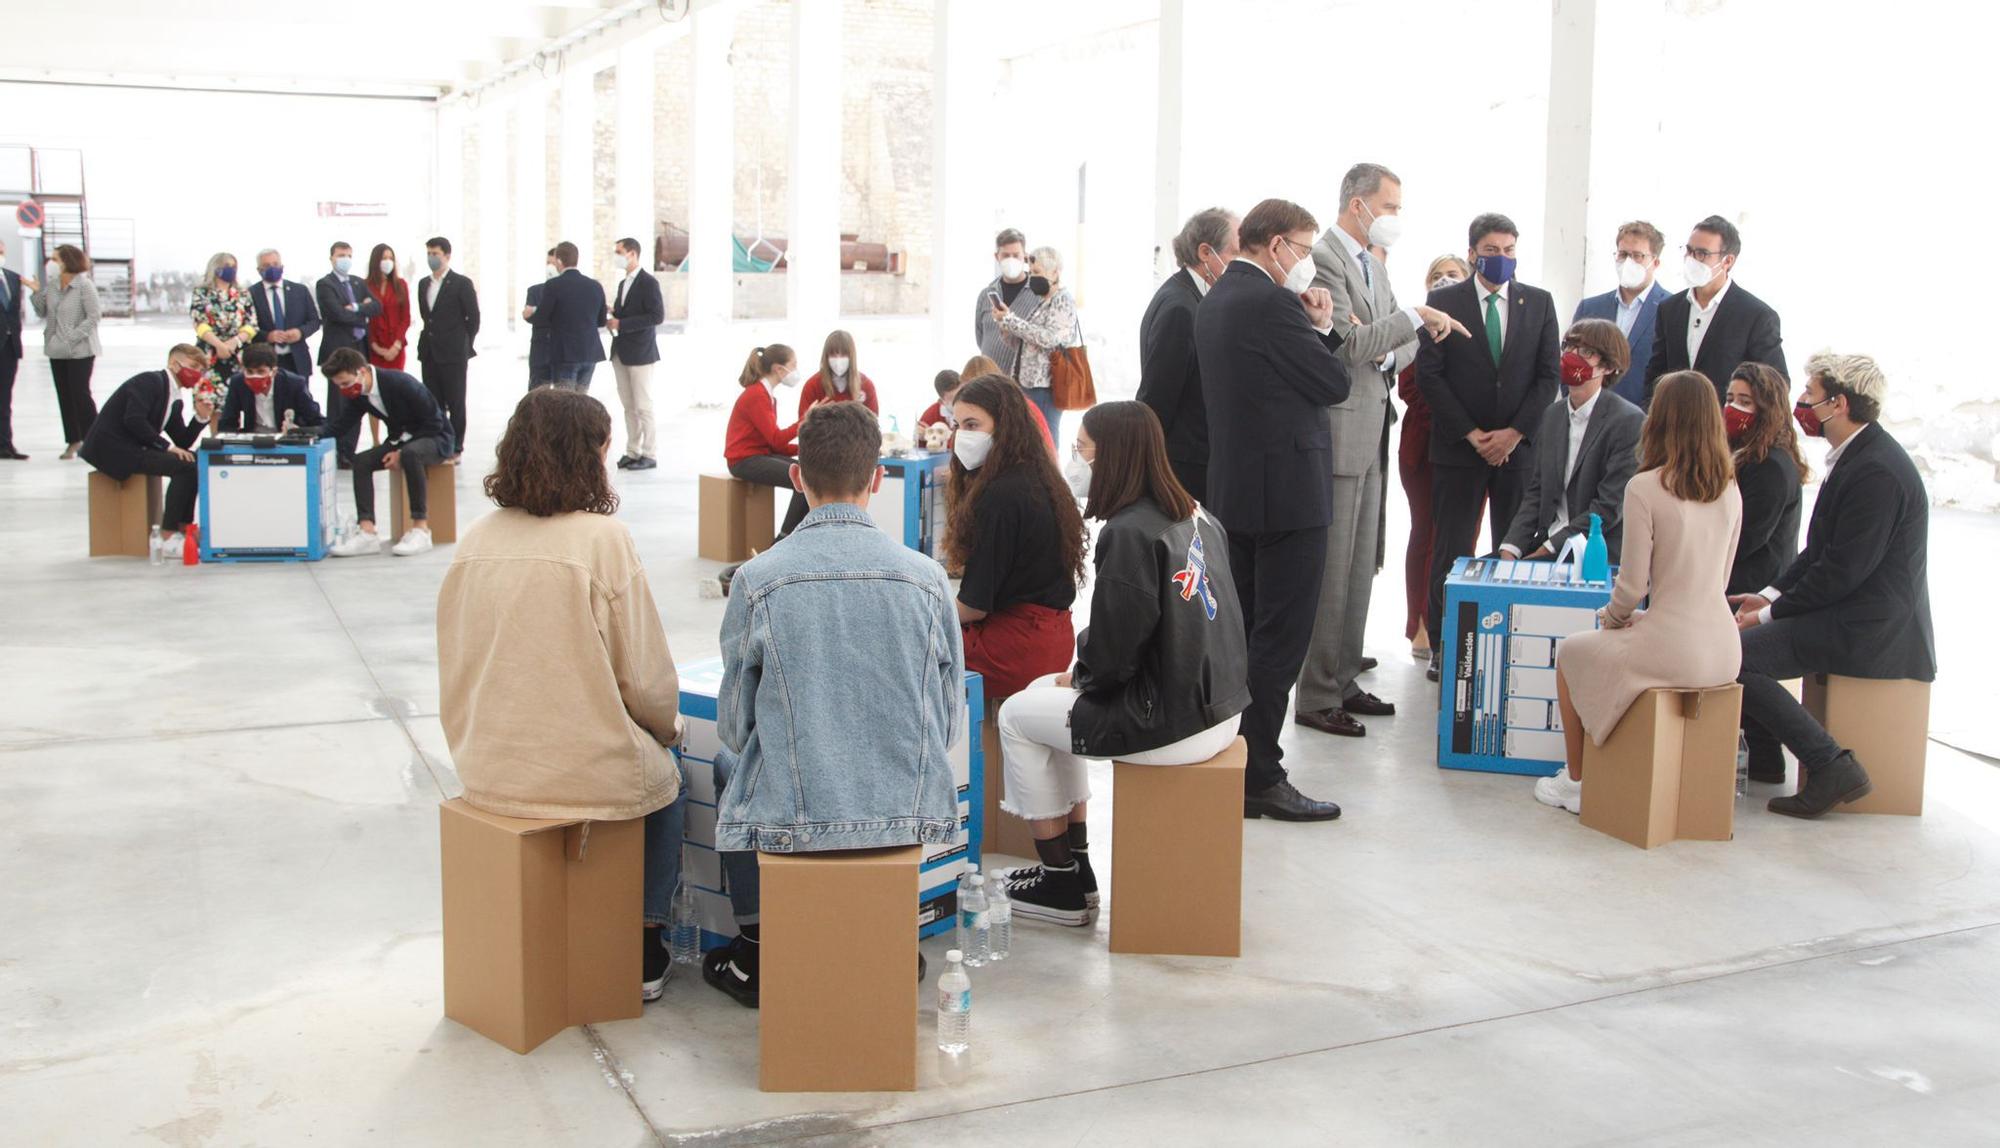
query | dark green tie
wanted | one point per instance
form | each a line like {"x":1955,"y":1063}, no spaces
{"x":1493,"y":327}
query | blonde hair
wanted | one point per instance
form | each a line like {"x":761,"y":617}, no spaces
{"x":1463,"y":268}
{"x":1049,"y":260}
{"x":216,"y":262}
{"x":1856,"y":376}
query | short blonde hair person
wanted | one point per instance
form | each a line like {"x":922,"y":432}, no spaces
{"x":1856,"y":376}
{"x":1049,"y":261}
{"x":1463,"y":268}
{"x":216,"y":262}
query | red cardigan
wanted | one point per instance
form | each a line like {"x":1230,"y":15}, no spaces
{"x":814,"y":390}
{"x":754,"y":429}
{"x":390,"y":326}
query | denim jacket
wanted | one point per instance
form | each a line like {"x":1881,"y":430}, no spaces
{"x":842,"y":687}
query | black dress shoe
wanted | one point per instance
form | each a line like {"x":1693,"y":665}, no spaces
{"x":624,"y":461}
{"x":1836,"y":783}
{"x":643,"y":464}
{"x":1284,"y":803}
{"x":1369,"y":705}
{"x":1336,"y":722}
{"x":1368,"y":664}
{"x":12,"y":455}
{"x":1434,"y":672}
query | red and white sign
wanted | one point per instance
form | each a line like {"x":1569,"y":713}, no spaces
{"x":28,"y":215}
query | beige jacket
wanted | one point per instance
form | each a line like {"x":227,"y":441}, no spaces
{"x":556,"y":689}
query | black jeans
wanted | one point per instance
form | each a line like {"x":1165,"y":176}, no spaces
{"x":1771,"y":656}
{"x":773,"y":470}
{"x":1456,"y":493}
{"x":79,"y":410}
{"x":572,"y":376}
{"x":183,"y":484}
{"x":446,"y":383}
{"x":1277,"y":577}
{"x":10,"y":365}
{"x":343,"y":448}
{"x":411,"y":458}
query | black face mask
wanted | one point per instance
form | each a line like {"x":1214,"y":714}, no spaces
{"x":1039,"y":284}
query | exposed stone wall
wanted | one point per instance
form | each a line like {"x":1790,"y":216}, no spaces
{"x":603,"y":172}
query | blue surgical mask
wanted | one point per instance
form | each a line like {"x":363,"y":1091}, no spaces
{"x":1496,"y":269}
{"x":226,"y":274}
{"x":343,"y":264}
{"x":274,"y":273}
{"x":434,"y":262}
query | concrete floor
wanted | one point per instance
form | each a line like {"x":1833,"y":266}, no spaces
{"x":221,"y":908}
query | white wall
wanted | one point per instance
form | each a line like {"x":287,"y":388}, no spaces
{"x":199,"y":172}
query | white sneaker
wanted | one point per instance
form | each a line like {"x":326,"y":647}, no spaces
{"x":1560,"y":792}
{"x":415,"y":540}
{"x":357,"y":544}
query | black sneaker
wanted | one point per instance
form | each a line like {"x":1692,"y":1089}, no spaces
{"x":1084,"y":871}
{"x":1053,"y":895}
{"x":624,"y":461}
{"x":733,"y":969}
{"x":657,"y":963}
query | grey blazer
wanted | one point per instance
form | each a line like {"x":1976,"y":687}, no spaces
{"x":1605,"y":462}
{"x":72,"y":314}
{"x":1358,"y":422}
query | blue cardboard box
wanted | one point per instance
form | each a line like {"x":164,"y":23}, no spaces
{"x":1504,"y":620}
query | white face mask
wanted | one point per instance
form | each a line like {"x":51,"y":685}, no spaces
{"x":388,"y":266}
{"x":551,"y":271}
{"x":1077,"y":472}
{"x":1631,"y":274}
{"x":1300,"y":276}
{"x":1444,"y":281}
{"x":838,"y":365}
{"x":625,"y":262}
{"x":1385,"y":230}
{"x":789,"y":378}
{"x":972,"y":447}
{"x":1698,"y":273}
{"x":1012,"y":268}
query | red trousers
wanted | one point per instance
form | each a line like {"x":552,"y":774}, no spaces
{"x":1014,"y":646}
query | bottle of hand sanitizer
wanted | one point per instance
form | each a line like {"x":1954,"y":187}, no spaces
{"x":1596,"y":555}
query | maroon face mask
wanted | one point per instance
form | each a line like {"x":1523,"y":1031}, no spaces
{"x":1576,"y":370}
{"x":258,"y":384}
{"x":1808,"y":419}
{"x":1737,"y":421}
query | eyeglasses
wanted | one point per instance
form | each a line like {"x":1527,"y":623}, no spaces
{"x":1632,"y":257}
{"x":1698,"y":253}
{"x":1299,"y":249}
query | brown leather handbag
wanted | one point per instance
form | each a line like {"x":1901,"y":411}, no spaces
{"x":1070,"y":384}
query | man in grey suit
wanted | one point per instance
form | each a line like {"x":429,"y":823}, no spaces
{"x":1009,"y":290}
{"x":1589,"y":448}
{"x":1380,"y":339}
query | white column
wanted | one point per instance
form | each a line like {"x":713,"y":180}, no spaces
{"x":635,"y":212}
{"x":578,"y":125}
{"x":531,"y":174}
{"x":490,"y":270}
{"x":712,"y":183}
{"x":1567,"y":180}
{"x":812,"y":272}
{"x":962,"y":71}
{"x":1168,"y":200}
{"x":448,"y":215}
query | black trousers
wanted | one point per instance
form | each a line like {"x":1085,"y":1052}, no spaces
{"x":1456,"y":492}
{"x":1277,"y":579}
{"x":79,"y":410}
{"x":773,"y":470}
{"x":1771,"y":657}
{"x":411,"y":458}
{"x":335,"y":403}
{"x":183,"y":484}
{"x":10,"y":365}
{"x":1193,"y":476}
{"x":446,"y":383}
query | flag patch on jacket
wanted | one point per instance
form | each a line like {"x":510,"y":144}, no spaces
{"x":1193,"y":578}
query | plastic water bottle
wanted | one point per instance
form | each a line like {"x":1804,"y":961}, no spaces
{"x":954,"y":1019}
{"x":974,"y":921}
{"x":1596,"y":554}
{"x":999,"y":919}
{"x":153,"y":548}
{"x":1742,"y":765}
{"x":684,"y":934}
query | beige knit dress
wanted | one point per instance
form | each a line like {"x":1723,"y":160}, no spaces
{"x":1679,"y":553}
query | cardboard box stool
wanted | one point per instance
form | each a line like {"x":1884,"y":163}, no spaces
{"x":441,"y":493}
{"x":1177,"y":856}
{"x":1886,"y":725}
{"x":1668,"y":772}
{"x":122,"y":514}
{"x":735,"y":518}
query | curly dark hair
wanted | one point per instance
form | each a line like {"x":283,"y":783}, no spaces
{"x":1771,"y":395}
{"x":551,"y":457}
{"x":1017,"y":445}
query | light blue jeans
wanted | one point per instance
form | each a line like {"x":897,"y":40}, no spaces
{"x":665,"y":829}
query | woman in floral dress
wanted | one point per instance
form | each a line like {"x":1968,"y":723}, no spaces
{"x":224,"y":321}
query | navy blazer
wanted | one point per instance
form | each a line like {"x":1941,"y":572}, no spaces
{"x":572,"y":308}
{"x":1631,"y":386}
{"x":1467,"y":393}
{"x":289,"y":392}
{"x":635,"y":343}
{"x":412,"y":411}
{"x":451,"y":321}
{"x":1170,"y":371}
{"x":1267,"y":379}
{"x":10,"y":317}
{"x":299,"y":312}
{"x":341,"y":321}
{"x":538,"y":337}
{"x":130,"y":422}
{"x":1862,"y":584}
{"x":1744,"y":330}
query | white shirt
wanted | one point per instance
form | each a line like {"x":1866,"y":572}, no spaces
{"x":621,"y":288}
{"x":437,"y":281}
{"x":1499,"y":295}
{"x":267,"y":407}
{"x":1326,"y":330}
{"x":374,"y":397}
{"x":1628,"y":313}
{"x":1771,"y":593}
{"x":1701,"y":318}
{"x":1371,"y":268}
{"x":1579,"y":423}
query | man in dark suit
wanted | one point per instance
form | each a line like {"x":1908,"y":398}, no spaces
{"x":538,"y":337}
{"x":346,"y":305}
{"x":1588,"y":448}
{"x":572,"y":309}
{"x":143,"y":428}
{"x":265,"y":397}
{"x":419,"y":436}
{"x":1265,"y":342}
{"x":449,"y":306}
{"x":286,"y":317}
{"x":1169,"y":369}
{"x":1856,"y":601}
{"x":12,"y":289}
{"x":1634,"y":304}
{"x":1713,"y":326}
{"x":1486,"y":395}
{"x":636,"y":315}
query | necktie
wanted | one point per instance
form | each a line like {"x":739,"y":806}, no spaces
{"x":347,"y":292}
{"x":1367,"y":276}
{"x":277,"y":297}
{"x":5,"y":298}
{"x":1493,"y":327}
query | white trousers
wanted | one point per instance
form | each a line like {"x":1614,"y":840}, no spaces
{"x":635,"y":394}
{"x":1045,"y":779}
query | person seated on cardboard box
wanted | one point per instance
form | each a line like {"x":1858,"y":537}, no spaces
{"x":265,"y":398}
{"x":1161,"y":674}
{"x":843,"y":687}
{"x":1682,"y":514}
{"x":1584,"y":452}
{"x":1856,"y":601}
{"x":143,"y":428}
{"x":1015,"y":531}
{"x":419,"y":437}
{"x":555,"y":686}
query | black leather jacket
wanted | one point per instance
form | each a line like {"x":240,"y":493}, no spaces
{"x":1164,"y":657}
